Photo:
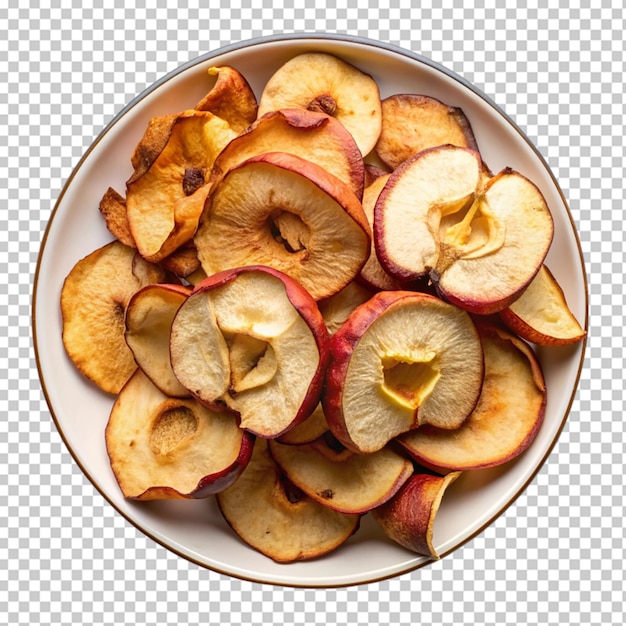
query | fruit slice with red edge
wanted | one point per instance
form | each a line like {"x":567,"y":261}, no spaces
{"x":541,"y":314}
{"x":276,"y":518}
{"x":409,"y":517}
{"x":401,"y":360}
{"x":310,"y":429}
{"x":172,"y":448}
{"x":506,"y":419}
{"x":325,"y":83}
{"x":480,"y":238}
{"x":414,"y":122}
{"x":373,"y":275}
{"x":308,"y":134}
{"x":252,"y":339}
{"x":340,"y":479}
{"x":148,"y":322}
{"x":280,"y":210}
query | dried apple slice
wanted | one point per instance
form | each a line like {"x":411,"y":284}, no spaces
{"x":322,"y":82}
{"x":276,"y":518}
{"x":506,"y":419}
{"x":308,"y":134}
{"x":480,"y":238}
{"x":254,"y":340}
{"x":113,"y":210}
{"x":541,"y":314}
{"x":401,"y":360}
{"x":282,"y":211}
{"x":148,"y":321}
{"x":182,"y":262}
{"x":230,"y":98}
{"x":94,"y":297}
{"x":373,"y":275}
{"x":340,"y":479}
{"x":172,"y":448}
{"x":152,"y":143}
{"x":166,"y":194}
{"x":409,"y":517}
{"x":413,"y":122}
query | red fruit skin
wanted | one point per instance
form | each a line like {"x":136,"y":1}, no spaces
{"x":307,"y":307}
{"x":400,"y":273}
{"x":211,"y":484}
{"x":408,"y":517}
{"x":487,"y":327}
{"x":342,"y":345}
{"x":479,"y":307}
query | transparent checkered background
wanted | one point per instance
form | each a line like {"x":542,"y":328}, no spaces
{"x":555,"y":557}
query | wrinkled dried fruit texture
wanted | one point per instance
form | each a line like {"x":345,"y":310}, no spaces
{"x":230,"y":98}
{"x":514,"y":231}
{"x":401,"y":360}
{"x":343,"y":480}
{"x":165,"y":197}
{"x":337,"y":308}
{"x":312,"y":136}
{"x":413,"y":122}
{"x":409,"y":517}
{"x":276,"y":519}
{"x":480,"y":238}
{"x":373,"y":274}
{"x":244,"y":344}
{"x":182,"y":262}
{"x":93,"y":304}
{"x":302,"y":222}
{"x":170,"y":448}
{"x":506,"y":419}
{"x":113,"y":210}
{"x":409,"y":209}
{"x":324,"y":83}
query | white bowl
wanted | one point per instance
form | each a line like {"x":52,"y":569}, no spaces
{"x":196,"y":530}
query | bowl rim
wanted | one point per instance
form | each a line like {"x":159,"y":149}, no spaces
{"x":321,"y":37}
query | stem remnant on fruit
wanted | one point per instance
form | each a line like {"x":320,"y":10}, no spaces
{"x":324,"y":103}
{"x":478,"y":234}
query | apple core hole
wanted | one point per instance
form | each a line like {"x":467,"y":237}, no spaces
{"x":171,"y":427}
{"x":409,"y":382}
{"x":473,"y":230}
{"x":252,"y":362}
{"x":288,"y":230}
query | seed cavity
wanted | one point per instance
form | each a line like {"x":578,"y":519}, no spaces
{"x":173,"y":425}
{"x":289,"y":230}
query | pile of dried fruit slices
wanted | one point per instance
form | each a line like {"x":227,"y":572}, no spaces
{"x":319,"y":304}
